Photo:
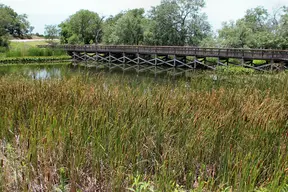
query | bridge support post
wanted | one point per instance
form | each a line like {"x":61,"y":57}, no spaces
{"x":242,"y":62}
{"x":138,"y":63}
{"x":109,"y":57}
{"x":174,"y":61}
{"x":155,"y":65}
{"x":138,"y":58}
{"x":124,"y":58}
{"x":272,"y":65}
{"x":205,"y":60}
{"x":155,"y":59}
{"x":185,"y":59}
{"x":124,"y":63}
{"x":85,"y":58}
{"x":74,"y":57}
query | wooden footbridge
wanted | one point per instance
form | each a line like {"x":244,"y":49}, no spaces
{"x":164,"y":59}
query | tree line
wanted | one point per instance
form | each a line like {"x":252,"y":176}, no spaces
{"x":172,"y":23}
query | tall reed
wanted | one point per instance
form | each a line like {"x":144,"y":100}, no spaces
{"x":111,"y":133}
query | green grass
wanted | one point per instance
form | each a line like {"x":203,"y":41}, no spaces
{"x":27,"y":60}
{"x":29,"y":49}
{"x":114,"y":133}
{"x":25,"y":45}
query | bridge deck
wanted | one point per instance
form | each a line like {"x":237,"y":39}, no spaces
{"x":247,"y":54}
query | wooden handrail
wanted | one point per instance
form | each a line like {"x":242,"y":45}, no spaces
{"x":175,"y":50}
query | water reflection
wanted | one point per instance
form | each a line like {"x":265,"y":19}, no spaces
{"x":42,"y":74}
{"x":59,"y":71}
{"x":37,"y":72}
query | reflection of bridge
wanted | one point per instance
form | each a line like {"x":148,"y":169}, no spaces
{"x":182,"y":58}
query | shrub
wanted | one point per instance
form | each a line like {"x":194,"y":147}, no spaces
{"x":234,"y":70}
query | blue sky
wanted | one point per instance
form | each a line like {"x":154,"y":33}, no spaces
{"x":42,"y":12}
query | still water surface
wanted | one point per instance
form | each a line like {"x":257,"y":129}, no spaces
{"x":48,"y":71}
{"x":59,"y":71}
{"x":38,"y":72}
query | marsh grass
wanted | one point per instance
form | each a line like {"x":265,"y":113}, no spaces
{"x":34,"y":51}
{"x":114,"y":133}
{"x":33,"y":59}
{"x":26,"y":49}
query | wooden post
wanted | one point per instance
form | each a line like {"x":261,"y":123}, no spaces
{"x":138,"y":63}
{"x":272,"y":65}
{"x":155,"y":59}
{"x":174,"y":61}
{"x":109,"y":57}
{"x":74,"y":58}
{"x":124,"y":58}
{"x":138,"y":58}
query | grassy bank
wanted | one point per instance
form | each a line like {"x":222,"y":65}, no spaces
{"x":29,"y":52}
{"x":30,"y":59}
{"x":114,"y":133}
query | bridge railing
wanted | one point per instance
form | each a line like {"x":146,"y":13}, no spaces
{"x":174,"y":50}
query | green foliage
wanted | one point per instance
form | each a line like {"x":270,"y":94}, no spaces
{"x":234,"y":70}
{"x":81,"y":28}
{"x":259,"y":62}
{"x":178,"y":23}
{"x":12,"y":23}
{"x":4,"y":41}
{"x":127,"y":28}
{"x":140,"y":186}
{"x":51,"y":32}
{"x":257,"y":29}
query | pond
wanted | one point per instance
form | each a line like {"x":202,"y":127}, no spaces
{"x":36,"y":71}
{"x":48,"y":71}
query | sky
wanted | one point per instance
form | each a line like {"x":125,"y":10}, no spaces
{"x":41,"y":13}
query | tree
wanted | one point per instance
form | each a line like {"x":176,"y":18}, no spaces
{"x":235,"y":35}
{"x":282,"y":31}
{"x":109,"y":27}
{"x":126,"y":28}
{"x":51,"y":32}
{"x":257,"y":29}
{"x":83,"y":27}
{"x":12,"y":24}
{"x":179,"y":22}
